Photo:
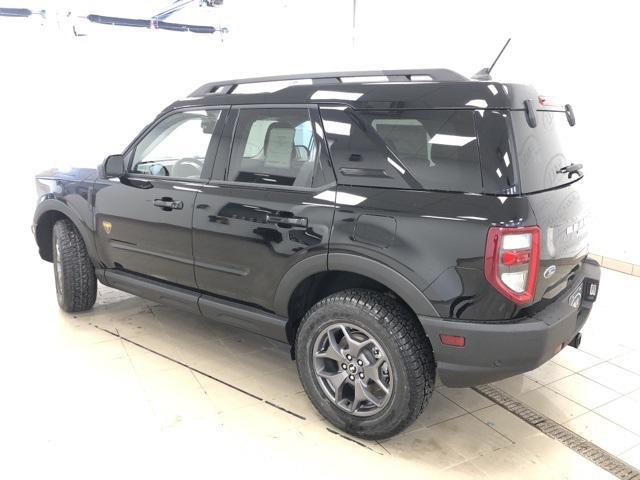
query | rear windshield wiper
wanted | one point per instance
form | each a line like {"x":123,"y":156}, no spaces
{"x":572,"y":169}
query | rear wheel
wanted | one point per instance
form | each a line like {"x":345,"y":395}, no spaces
{"x":365,"y":363}
{"x":75,"y":276}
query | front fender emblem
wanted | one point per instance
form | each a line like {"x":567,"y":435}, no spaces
{"x":548,"y":273}
{"x":107,"y":226}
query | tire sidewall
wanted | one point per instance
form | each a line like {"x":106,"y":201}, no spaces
{"x":393,"y":414}
{"x":76,"y":292}
{"x":61,"y":287}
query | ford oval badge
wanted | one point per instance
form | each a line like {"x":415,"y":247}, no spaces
{"x":548,"y":273}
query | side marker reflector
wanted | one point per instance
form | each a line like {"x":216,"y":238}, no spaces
{"x":452,"y":340}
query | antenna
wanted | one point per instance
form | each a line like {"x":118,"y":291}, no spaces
{"x":485,"y":73}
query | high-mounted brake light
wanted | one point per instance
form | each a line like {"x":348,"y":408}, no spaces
{"x":546,"y":101}
{"x":511,"y":261}
{"x":549,"y":101}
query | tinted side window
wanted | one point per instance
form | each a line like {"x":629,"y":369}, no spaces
{"x":415,"y":149}
{"x":498,"y":166}
{"x":358,"y":155}
{"x":177,"y":146}
{"x":273,"y":146}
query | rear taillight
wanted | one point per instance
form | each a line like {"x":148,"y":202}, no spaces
{"x":511,"y":261}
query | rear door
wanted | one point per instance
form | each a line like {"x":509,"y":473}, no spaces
{"x":556,"y":198}
{"x":144,"y":221}
{"x":269,"y":205}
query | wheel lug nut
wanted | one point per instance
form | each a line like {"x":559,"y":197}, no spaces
{"x":360,"y":362}
{"x":361,"y":375}
{"x":349,"y":357}
{"x":351,"y":377}
{"x":344,"y":366}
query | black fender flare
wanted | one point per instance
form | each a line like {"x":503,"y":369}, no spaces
{"x":55,"y":205}
{"x":348,"y":262}
{"x":294,"y":276}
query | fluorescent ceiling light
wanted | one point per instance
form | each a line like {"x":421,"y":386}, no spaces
{"x":396,"y":121}
{"x":451,"y":140}
{"x":435,"y":217}
{"x":479,"y":102}
{"x":363,"y":79}
{"x":421,"y":78}
{"x":341,"y":198}
{"x":187,"y":189}
{"x":333,"y":95}
{"x":337,"y":128}
{"x":268,"y":87}
{"x":396,"y":166}
{"x":344,"y":198}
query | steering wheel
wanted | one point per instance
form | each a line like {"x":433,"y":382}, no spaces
{"x":194,"y":163}
{"x":158,"y":170}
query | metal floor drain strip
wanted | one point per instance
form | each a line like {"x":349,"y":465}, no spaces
{"x":569,"y":438}
{"x":575,"y":442}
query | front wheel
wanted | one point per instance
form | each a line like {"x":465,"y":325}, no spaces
{"x":75,"y":276}
{"x":365,"y":363}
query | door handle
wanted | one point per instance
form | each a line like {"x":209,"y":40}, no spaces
{"x":168,"y":203}
{"x":297,"y":221}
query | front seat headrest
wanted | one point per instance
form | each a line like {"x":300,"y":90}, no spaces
{"x":278,"y":145}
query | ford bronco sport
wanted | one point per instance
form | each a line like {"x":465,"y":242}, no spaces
{"x":387,"y":225}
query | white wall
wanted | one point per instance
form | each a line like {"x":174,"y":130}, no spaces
{"x":67,"y":100}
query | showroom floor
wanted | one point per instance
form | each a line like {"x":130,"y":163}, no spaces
{"x":135,"y":386}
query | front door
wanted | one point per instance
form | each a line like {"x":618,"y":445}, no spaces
{"x":269,"y":206}
{"x":144,"y":220}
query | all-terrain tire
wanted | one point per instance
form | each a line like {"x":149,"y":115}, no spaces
{"x":397,"y":330}
{"x":76,"y":284}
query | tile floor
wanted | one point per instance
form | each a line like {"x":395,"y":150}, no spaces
{"x":81,"y":401}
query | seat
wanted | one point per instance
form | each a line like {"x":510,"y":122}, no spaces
{"x":278,"y":145}
{"x":186,"y":170}
{"x":276,"y":161}
{"x":305,"y":174}
{"x":409,"y":142}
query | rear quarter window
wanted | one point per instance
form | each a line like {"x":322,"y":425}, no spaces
{"x":499,"y":174}
{"x":410,"y":149}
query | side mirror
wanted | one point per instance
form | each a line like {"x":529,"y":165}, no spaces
{"x":113,"y":166}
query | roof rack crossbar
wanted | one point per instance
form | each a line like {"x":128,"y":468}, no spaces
{"x":437,"y":74}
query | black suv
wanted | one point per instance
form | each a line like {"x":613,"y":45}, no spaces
{"x":387,"y":225}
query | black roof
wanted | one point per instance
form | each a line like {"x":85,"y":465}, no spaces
{"x":395,"y":89}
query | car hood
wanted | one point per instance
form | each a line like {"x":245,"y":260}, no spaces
{"x":75,"y":174}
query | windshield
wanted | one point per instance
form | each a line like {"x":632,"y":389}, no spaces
{"x":544,"y":150}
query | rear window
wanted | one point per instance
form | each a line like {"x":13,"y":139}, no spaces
{"x":411,"y":149}
{"x":543,"y":150}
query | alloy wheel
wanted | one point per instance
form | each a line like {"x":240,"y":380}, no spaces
{"x":352,"y":369}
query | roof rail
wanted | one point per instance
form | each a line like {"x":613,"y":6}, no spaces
{"x":435,"y":74}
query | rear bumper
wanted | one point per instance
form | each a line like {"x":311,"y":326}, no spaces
{"x":494,"y":351}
